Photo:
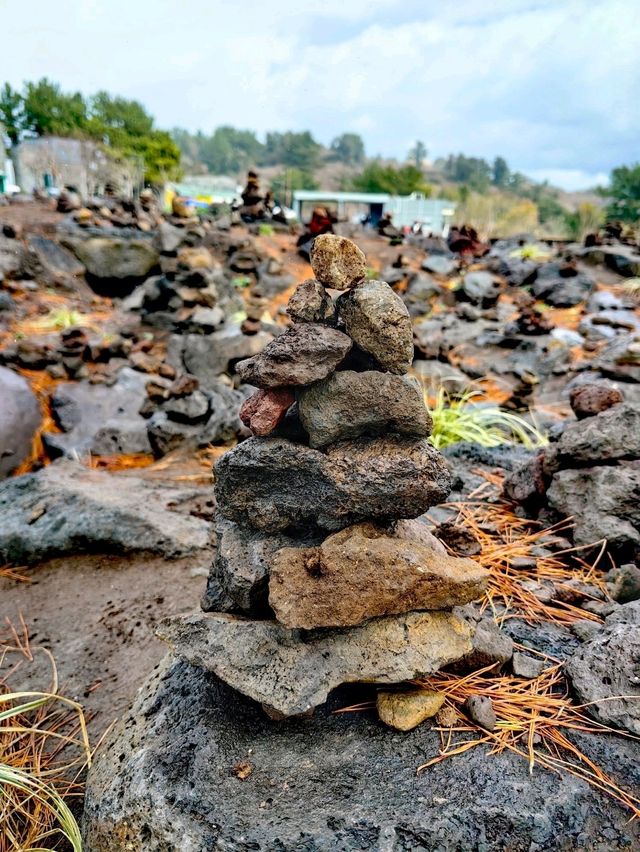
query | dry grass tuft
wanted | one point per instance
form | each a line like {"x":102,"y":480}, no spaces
{"x":508,"y":544}
{"x":43,"y":747}
{"x":535,"y":721}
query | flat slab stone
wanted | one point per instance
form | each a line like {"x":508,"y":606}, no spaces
{"x":168,"y":778}
{"x":362,"y":572}
{"x":291,"y":671}
{"x":68,"y":508}
{"x":304,"y":354}
{"x":274,"y":484}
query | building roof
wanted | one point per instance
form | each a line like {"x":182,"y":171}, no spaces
{"x":348,"y":197}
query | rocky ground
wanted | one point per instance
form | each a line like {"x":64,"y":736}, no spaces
{"x":120,"y":335}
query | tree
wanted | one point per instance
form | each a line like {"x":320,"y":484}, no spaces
{"x":119,"y":116}
{"x":500,"y":172}
{"x":284,"y":184}
{"x":396,"y":181}
{"x":625,"y":194}
{"x":48,"y":111}
{"x":348,"y":148}
{"x":299,"y":150}
{"x":585,"y":220}
{"x":473,"y":171}
{"x":11,"y":113}
{"x":418,"y":154}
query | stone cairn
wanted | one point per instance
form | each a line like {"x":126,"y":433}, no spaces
{"x":324,"y":573}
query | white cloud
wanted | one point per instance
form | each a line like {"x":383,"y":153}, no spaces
{"x":550,"y":84}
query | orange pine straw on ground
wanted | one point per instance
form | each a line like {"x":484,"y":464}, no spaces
{"x":43,"y":738}
{"x":535,"y":720}
{"x":9,"y":572}
{"x":42,"y":385}
{"x":123,"y":461}
{"x":507,"y":542}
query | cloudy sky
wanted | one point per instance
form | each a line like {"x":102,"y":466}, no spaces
{"x":552,"y":85}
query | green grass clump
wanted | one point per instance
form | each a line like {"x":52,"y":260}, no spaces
{"x":61,"y":319}
{"x":530,"y":251}
{"x":241,"y":281}
{"x":265,"y":230}
{"x":466,"y":419}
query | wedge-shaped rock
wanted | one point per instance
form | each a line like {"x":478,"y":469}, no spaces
{"x":360,"y":573}
{"x":291,"y":671}
{"x":378,"y":321}
{"x":304,"y":354}
{"x":274,"y":484}
{"x":348,"y":404}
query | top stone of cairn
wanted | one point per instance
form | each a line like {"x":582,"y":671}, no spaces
{"x":337,"y":263}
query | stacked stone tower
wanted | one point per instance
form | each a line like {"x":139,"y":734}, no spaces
{"x":324,"y":573}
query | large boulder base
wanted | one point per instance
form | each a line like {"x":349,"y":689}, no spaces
{"x":168,"y":778}
{"x":274,"y":484}
{"x":291,"y":672}
{"x":348,"y":404}
{"x":362,"y":572}
{"x":67,"y":508}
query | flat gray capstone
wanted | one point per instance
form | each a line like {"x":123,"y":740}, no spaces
{"x":67,"y":508}
{"x":291,"y":671}
{"x":339,"y":782}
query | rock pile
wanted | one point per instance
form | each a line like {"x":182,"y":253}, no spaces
{"x":323,"y":575}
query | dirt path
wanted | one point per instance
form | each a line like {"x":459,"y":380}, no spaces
{"x":97,"y":615}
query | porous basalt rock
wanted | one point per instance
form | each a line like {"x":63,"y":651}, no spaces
{"x":291,"y":671}
{"x":378,"y":321}
{"x":304,"y":354}
{"x":311,"y":303}
{"x":348,"y":404}
{"x":362,"y":572}
{"x":274,"y":484}
{"x":337,"y":262}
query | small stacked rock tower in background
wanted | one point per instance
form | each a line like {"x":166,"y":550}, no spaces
{"x":323,"y":575}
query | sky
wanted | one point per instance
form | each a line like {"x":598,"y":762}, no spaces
{"x":551,"y":85}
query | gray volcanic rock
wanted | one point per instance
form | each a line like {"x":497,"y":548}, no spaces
{"x":348,"y":404}
{"x":208,"y":356}
{"x":311,"y":303}
{"x":609,"y":436}
{"x":117,"y":261}
{"x":272,"y":484}
{"x":603,"y":501}
{"x":49,"y":263}
{"x":241,"y":567}
{"x":337,"y":262}
{"x":165,"y":779}
{"x":291,"y":672}
{"x":378,"y":321}
{"x":67,"y":508}
{"x":99,"y":418}
{"x":20,"y":418}
{"x":303,"y":354}
{"x":362,"y":572}
{"x":606,"y":666}
{"x":481,"y":288}
{"x":562,"y":286}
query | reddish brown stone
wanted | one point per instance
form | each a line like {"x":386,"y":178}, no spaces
{"x":263,"y":411}
{"x":590,"y":399}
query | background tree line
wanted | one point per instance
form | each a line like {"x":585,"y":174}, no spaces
{"x":123,"y":126}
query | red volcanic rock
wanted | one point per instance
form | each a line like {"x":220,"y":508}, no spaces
{"x":265,"y":409}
